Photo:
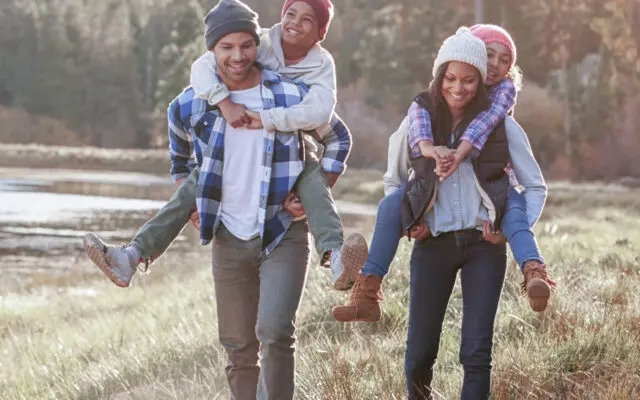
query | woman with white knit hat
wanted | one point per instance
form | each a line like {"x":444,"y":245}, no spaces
{"x":454,"y":209}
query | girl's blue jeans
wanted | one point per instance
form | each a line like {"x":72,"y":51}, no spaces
{"x":388,"y":232}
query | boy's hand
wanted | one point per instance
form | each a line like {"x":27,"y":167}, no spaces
{"x":491,"y":236}
{"x":255,"y":122}
{"x":293,"y":204}
{"x":234,"y":114}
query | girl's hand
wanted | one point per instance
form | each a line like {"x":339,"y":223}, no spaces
{"x":449,"y":167}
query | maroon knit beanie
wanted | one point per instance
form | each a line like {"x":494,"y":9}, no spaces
{"x":322,"y":8}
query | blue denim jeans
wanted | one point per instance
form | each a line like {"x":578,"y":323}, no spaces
{"x":386,"y":235}
{"x":435,"y":262}
{"x":519,"y":234}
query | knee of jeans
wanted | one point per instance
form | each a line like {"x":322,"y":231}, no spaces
{"x":476,"y":353}
{"x":241,"y":352}
{"x":269,"y":331}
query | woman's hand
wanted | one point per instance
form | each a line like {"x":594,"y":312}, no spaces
{"x":420,"y":232}
{"x":293,"y":204}
{"x":491,"y":236}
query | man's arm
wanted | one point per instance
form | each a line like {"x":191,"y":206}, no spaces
{"x":526,"y":169}
{"x":316,"y":108}
{"x":180,"y":143}
{"x":502,"y":98}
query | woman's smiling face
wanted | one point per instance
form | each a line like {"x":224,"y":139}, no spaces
{"x":460,"y":84}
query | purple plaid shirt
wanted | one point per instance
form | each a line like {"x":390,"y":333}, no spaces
{"x":502,"y":97}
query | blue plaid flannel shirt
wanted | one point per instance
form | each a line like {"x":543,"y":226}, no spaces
{"x":196,"y":138}
{"x":502,"y":97}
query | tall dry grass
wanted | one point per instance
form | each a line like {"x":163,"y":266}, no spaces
{"x":157,"y":340}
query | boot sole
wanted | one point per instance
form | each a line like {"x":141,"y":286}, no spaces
{"x":539,"y":293}
{"x":354,"y":254}
{"x":95,"y":250}
{"x":361,"y":319}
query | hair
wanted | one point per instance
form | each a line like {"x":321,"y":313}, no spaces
{"x":442,"y":121}
{"x":516,"y":75}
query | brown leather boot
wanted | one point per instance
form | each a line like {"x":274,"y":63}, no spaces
{"x":537,"y":285}
{"x":364,"y":304}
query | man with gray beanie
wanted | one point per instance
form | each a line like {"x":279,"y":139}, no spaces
{"x":260,"y":253}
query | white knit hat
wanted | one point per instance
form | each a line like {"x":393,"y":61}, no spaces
{"x":463,"y":47}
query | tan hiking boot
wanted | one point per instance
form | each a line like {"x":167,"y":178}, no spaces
{"x":346,"y":262}
{"x":364,"y":304}
{"x":537,"y":285}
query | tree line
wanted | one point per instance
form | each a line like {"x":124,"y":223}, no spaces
{"x":108,"y":69}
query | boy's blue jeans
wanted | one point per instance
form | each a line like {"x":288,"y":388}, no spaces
{"x":388,"y":232}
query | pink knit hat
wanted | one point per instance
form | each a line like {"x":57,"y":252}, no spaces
{"x":490,"y":33}
{"x":322,"y":8}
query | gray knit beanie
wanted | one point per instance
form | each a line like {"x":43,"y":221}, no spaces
{"x":463,"y":47}
{"x":230,"y":16}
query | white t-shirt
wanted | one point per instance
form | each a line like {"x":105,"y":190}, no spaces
{"x":242,"y":171}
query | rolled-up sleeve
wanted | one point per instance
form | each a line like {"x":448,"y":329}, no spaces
{"x":336,"y":139}
{"x":419,"y":127}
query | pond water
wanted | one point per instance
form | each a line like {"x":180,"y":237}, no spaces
{"x":45,"y":212}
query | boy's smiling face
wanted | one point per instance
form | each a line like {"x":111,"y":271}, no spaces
{"x":300,"y":26}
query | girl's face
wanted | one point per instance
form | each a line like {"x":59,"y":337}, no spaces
{"x":459,"y":84}
{"x":499,"y":61}
{"x":300,"y":25}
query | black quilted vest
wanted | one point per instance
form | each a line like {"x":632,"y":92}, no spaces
{"x":489,"y":167}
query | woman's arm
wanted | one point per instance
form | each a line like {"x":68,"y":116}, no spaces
{"x":526,"y":169}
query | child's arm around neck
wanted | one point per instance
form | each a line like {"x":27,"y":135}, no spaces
{"x":318,"y":104}
{"x":503,"y":98}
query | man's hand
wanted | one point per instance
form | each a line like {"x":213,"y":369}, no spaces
{"x":255,"y":122}
{"x":332,"y":178}
{"x":420,"y":232}
{"x":195,"y":218}
{"x":293,"y":204}
{"x":491,"y":236}
{"x":234,"y":114}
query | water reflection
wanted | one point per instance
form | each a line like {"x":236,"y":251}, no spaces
{"x":44,"y":213}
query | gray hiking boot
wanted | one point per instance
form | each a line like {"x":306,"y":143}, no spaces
{"x":114,"y":261}
{"x":347,"y":261}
